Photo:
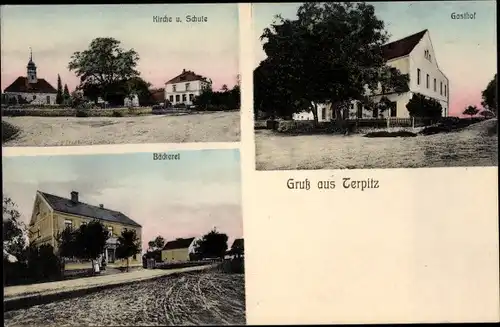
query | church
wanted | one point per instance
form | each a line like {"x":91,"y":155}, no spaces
{"x":31,"y":89}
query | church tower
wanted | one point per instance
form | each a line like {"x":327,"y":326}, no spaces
{"x":31,"y":70}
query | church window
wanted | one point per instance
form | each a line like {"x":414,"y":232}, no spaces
{"x":48,"y":99}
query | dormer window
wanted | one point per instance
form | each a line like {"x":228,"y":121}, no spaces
{"x":174,"y":88}
{"x":187,"y":86}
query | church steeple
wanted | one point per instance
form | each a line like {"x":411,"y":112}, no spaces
{"x":31,"y":69}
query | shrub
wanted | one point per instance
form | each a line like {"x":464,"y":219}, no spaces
{"x":9,"y":131}
{"x":117,"y":113}
{"x":81,"y":113}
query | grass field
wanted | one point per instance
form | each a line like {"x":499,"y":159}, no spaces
{"x":63,"y":131}
{"x":197,"y":298}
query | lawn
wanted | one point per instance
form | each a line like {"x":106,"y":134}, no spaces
{"x":63,"y":131}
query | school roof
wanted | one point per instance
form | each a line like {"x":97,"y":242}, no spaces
{"x":78,"y":208}
{"x":238,"y":243}
{"x":180,"y":243}
{"x":186,"y":76}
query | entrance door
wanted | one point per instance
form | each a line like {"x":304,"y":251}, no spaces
{"x":111,"y":255}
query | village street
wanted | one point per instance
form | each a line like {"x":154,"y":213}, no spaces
{"x":64,"y":131}
{"x":194,"y":298}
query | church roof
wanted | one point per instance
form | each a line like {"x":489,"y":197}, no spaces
{"x":21,"y":85}
{"x":402,"y":47}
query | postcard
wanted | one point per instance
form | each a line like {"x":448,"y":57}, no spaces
{"x":124,"y":239}
{"x":109,"y":74}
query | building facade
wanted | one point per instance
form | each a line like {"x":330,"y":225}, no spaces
{"x":52,"y":214}
{"x":185,"y":87}
{"x":178,"y":250}
{"x":413,"y":55}
{"x":30,"y":89}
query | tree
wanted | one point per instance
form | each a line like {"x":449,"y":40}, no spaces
{"x":128,"y":245}
{"x":157,"y":244}
{"x":212,"y":245}
{"x":66,"y":95}
{"x":14,"y":230}
{"x":85,"y":243}
{"x":489,"y":96}
{"x":103,"y":65}
{"x":471,"y":111}
{"x":330,"y":55}
{"x":59,"y":96}
{"x":422,"y":107}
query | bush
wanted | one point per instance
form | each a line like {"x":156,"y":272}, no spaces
{"x":9,"y":131}
{"x":117,"y":113}
{"x":81,"y":113}
{"x":233,"y":266}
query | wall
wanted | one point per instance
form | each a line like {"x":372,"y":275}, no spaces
{"x":40,"y":226}
{"x":195,"y":88}
{"x":303,"y":116}
{"x":77,"y":221}
{"x":40,"y":98}
{"x":175,"y":255}
{"x":418,"y":61}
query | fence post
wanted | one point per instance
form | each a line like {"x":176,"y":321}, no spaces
{"x":412,"y":122}
{"x":388,"y":122}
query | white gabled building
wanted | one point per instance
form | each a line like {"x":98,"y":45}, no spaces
{"x":32,"y":89}
{"x":413,"y":55}
{"x":185,"y":87}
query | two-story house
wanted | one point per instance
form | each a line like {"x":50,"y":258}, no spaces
{"x":52,"y":214}
{"x":413,"y":55}
{"x":185,"y":87}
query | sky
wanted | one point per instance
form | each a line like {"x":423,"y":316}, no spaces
{"x":55,"y":32}
{"x":183,"y":198}
{"x":466,"y":50}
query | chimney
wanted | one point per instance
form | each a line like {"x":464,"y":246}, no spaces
{"x":74,"y":197}
{"x":183,"y":70}
{"x":101,"y":206}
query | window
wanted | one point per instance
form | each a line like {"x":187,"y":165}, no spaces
{"x":184,"y":97}
{"x":430,"y":57}
{"x":394,"y":110}
{"x":427,"y":81}
{"x":68,"y":224}
{"x":434,"y":85}
{"x":174,"y":88}
{"x":375,"y":112}
{"x":48,"y":99}
{"x":187,"y":86}
{"x":191,"y":96}
{"x":177,"y":98}
{"x":34,"y":97}
{"x":445,"y":90}
{"x":418,"y":76}
{"x":359,"y":113}
{"x":134,"y":256}
{"x":171,"y":98}
{"x":441,"y":88}
{"x":323,"y":113}
{"x":110,"y":230}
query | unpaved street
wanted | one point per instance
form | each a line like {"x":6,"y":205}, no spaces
{"x":197,"y":298}
{"x":64,"y":131}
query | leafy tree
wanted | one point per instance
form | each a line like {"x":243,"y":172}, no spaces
{"x":471,"y":111}
{"x":66,"y":95}
{"x":222,"y":100}
{"x":157,"y":244}
{"x":422,"y":107}
{"x":103,"y":65}
{"x":85,"y":243}
{"x":14,"y":230}
{"x":489,"y":96}
{"x":212,"y":245}
{"x":128,"y":245}
{"x":330,"y":54}
{"x":59,"y":96}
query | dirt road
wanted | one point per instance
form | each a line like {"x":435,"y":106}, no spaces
{"x":64,"y":131}
{"x":197,"y":298}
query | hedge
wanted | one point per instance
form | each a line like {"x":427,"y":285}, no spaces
{"x":71,"y":112}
